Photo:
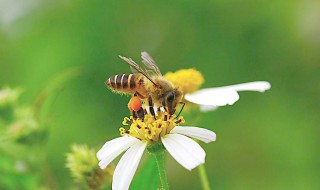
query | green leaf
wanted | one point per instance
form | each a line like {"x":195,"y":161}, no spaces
{"x":148,"y":177}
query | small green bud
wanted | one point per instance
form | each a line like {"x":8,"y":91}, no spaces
{"x":25,"y":129}
{"x":83,"y":166}
{"x":8,"y":99}
{"x":8,"y":96}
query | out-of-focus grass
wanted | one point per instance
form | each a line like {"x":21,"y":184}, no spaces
{"x":264,"y":141}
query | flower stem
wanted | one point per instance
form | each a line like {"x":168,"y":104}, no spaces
{"x":161,"y":169}
{"x":203,"y":177}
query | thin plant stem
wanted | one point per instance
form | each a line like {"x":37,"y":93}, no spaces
{"x":161,"y":169}
{"x":196,"y":118}
{"x":203,"y":177}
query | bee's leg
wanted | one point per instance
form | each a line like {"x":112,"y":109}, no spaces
{"x":150,"y":103}
{"x":164,"y":106}
{"x":132,"y":111}
{"x":134,"y":114}
{"x":136,"y":106}
{"x":140,"y":113}
{"x":181,"y":108}
{"x":139,"y":95}
{"x":165,"y":109}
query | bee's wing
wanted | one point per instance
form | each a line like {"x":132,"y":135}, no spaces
{"x":133,"y":70}
{"x":149,"y":72}
{"x":136,"y":68}
{"x":150,"y":63}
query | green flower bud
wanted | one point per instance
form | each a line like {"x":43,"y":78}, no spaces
{"x":26,"y":129}
{"x":8,"y":99}
{"x":8,"y":96}
{"x":83,"y":166}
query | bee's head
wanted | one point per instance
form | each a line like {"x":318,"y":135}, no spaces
{"x":172,"y":99}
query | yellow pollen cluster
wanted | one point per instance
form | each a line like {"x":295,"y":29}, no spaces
{"x":187,"y":80}
{"x":150,"y":128}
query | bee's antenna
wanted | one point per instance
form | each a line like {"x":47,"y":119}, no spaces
{"x":181,"y":108}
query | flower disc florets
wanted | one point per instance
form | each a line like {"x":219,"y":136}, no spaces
{"x":151,"y":128}
{"x":187,"y":80}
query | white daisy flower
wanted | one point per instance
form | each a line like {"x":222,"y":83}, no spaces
{"x":190,"y":80}
{"x":142,"y":134}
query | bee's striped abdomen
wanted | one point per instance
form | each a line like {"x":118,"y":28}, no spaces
{"x":121,"y":82}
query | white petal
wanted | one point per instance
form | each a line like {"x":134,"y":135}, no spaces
{"x":127,"y":166}
{"x":226,"y":95}
{"x":205,"y":108}
{"x":184,"y":150}
{"x":113,"y":148}
{"x":201,"y":134}
{"x":259,"y":86}
{"x":213,"y":97}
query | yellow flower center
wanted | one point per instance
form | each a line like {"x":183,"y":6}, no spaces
{"x":187,"y":80}
{"x":150,"y":128}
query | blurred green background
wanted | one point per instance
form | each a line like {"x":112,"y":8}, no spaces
{"x":265,"y":141}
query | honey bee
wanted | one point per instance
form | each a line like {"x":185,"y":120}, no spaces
{"x":146,"y":84}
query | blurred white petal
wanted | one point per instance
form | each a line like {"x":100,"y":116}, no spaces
{"x":205,"y":108}
{"x":201,"y":134}
{"x":113,"y":148}
{"x":12,"y":16}
{"x":226,"y":95}
{"x":12,"y":10}
{"x":127,"y":166}
{"x":184,"y":150}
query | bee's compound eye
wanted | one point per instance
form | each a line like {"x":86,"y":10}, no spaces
{"x":134,"y":103}
{"x":170,"y":97}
